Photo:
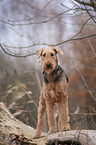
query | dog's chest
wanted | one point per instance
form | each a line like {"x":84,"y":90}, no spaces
{"x":53,"y":92}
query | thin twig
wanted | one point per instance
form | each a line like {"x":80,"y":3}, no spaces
{"x":41,"y":9}
{"x":86,"y":114}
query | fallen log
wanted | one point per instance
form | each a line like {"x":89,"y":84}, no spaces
{"x":13,"y":131}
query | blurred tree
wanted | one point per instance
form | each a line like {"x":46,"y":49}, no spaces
{"x":83,"y":84}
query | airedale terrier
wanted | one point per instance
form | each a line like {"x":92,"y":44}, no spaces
{"x":54,"y":91}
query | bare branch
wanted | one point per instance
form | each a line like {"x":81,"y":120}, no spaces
{"x":80,"y":38}
{"x":93,"y":3}
{"x":69,"y":40}
{"x":90,"y":15}
{"x":83,"y":3}
{"x":15,"y":54}
{"x":13,"y":23}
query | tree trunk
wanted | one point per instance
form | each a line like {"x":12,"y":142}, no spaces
{"x":13,"y":131}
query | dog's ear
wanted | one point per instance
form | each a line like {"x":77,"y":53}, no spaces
{"x":39,"y":53}
{"x":58,"y":50}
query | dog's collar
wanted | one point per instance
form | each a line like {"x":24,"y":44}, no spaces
{"x":56,"y":67}
{"x":56,"y":74}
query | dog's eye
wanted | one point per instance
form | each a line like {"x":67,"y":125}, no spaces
{"x":52,"y":54}
{"x":44,"y":54}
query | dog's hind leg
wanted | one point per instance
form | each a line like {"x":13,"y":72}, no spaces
{"x":63,"y":115}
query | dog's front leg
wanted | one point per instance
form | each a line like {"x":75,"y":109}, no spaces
{"x":51,"y":119}
{"x":41,"y":111}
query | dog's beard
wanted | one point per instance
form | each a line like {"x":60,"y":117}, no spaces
{"x":48,"y":70}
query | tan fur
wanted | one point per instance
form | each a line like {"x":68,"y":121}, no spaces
{"x":53,"y":92}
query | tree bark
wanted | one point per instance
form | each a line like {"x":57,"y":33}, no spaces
{"x":13,"y":131}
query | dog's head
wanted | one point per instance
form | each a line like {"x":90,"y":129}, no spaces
{"x":49,"y":57}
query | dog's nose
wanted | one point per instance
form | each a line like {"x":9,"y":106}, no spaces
{"x":48,"y":64}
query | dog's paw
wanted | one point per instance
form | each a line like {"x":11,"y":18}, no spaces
{"x":66,"y":128}
{"x":51,"y":131}
{"x":37,"y":135}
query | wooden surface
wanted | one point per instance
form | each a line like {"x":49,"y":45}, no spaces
{"x":13,"y":131}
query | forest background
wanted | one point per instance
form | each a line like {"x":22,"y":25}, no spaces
{"x":28,"y":25}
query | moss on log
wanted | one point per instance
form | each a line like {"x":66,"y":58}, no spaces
{"x":13,"y":131}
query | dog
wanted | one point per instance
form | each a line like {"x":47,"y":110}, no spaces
{"x":55,"y":83}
